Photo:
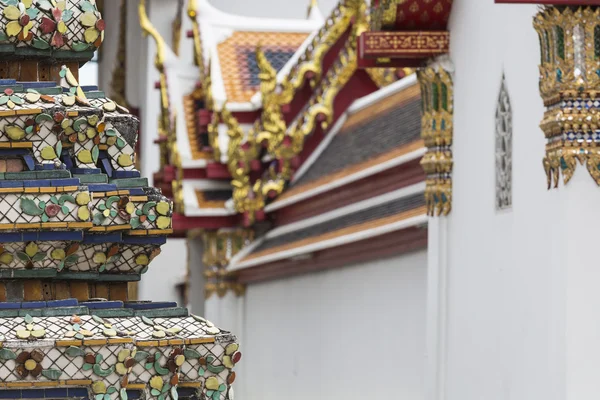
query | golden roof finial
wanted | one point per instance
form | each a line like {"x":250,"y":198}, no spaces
{"x":192,"y":9}
{"x":149,"y":29}
{"x":311,"y":5}
{"x":176,"y":26}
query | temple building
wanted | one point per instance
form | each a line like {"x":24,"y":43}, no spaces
{"x":405,"y":182}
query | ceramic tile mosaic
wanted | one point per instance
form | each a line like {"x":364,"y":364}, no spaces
{"x":77,"y":224}
{"x":237,"y":58}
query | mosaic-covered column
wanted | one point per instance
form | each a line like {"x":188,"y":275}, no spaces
{"x":436,"y":131}
{"x":78,"y":223}
{"x":569,"y":86}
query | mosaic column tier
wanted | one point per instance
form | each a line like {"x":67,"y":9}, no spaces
{"x":569,"y":79}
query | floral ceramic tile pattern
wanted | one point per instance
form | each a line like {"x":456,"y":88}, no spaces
{"x":77,"y":224}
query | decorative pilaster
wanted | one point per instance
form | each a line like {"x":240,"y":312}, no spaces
{"x":219,"y":248}
{"x":436,"y":131}
{"x":569,"y":82}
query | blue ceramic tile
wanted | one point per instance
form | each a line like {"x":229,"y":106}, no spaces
{"x":14,"y":152}
{"x":86,"y":171}
{"x":44,"y":167}
{"x":10,"y":305}
{"x":29,"y":236}
{"x":59,"y":392}
{"x":126,"y":174}
{"x":89,"y":88}
{"x":65,"y":182}
{"x":136,"y":192}
{"x":33,"y":304}
{"x":11,"y":237}
{"x":33,"y":393}
{"x":107,"y":167}
{"x":11,"y":184}
{"x":60,"y":235}
{"x":101,"y":187}
{"x":63,"y":303}
{"x":100,"y":305}
{"x":8,"y":82}
{"x":78,"y":392}
{"x":67,"y":160}
{"x":150,"y":306}
{"x":37,"y":183}
{"x":10,"y":394}
{"x":109,"y":238}
{"x":36,"y":85}
{"x":134,"y":394}
{"x":159,"y":240}
{"x":29,"y":161}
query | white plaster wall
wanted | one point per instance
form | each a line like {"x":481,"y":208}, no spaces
{"x":166,"y":271}
{"x":272,"y":8}
{"x":348,"y":334}
{"x":506,"y":270}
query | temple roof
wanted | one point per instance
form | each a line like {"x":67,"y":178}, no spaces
{"x":364,"y":142}
{"x":363,"y":181}
{"x":229,"y":43}
{"x":373,"y":217}
{"x":379,"y":128}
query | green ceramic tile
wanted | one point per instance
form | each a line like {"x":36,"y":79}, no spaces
{"x":163,"y":312}
{"x":95,"y":95}
{"x":78,"y":276}
{"x":21,"y":175}
{"x":35,"y":312}
{"x":91,"y":178}
{"x":130,"y":182}
{"x":113,"y":313}
{"x":9,"y":313}
{"x":34,"y":273}
{"x":118,"y":277}
{"x":50,"y":90}
{"x":65,"y":311}
{"x":55,"y":174}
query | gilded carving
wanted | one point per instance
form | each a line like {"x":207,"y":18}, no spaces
{"x":219,"y":248}
{"x":436,"y":131}
{"x":569,"y":79}
{"x":166,"y":124}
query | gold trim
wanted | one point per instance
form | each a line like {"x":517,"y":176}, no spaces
{"x":437,"y":104}
{"x":219,"y":248}
{"x":176,"y":27}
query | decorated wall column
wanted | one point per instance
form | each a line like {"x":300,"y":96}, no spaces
{"x":222,"y":292}
{"x":436,"y":131}
{"x":569,"y":79}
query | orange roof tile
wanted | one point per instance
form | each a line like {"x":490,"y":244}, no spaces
{"x":238,"y":62}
